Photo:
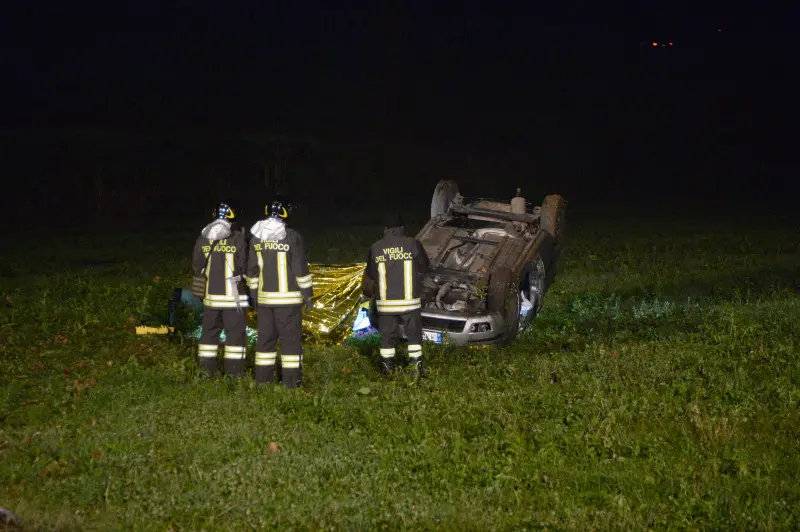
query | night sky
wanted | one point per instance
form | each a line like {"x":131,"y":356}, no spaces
{"x":493,"y":72}
{"x":251,"y":63}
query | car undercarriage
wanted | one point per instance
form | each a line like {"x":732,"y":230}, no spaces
{"x":491,"y":264}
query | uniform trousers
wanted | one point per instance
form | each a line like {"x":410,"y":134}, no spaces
{"x":234,"y":323}
{"x":389,"y":325}
{"x":284,"y":323}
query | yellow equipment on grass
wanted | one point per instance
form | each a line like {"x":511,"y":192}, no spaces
{"x":161,"y":329}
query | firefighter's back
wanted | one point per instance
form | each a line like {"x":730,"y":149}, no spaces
{"x":396,"y":261}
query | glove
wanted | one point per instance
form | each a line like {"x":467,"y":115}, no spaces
{"x":308,"y":302}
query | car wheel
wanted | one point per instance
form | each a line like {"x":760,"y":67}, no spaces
{"x":552,"y":215}
{"x":533,"y":287}
{"x":443,"y":196}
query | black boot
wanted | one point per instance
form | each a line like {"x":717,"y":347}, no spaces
{"x":386,"y":365}
{"x":291,"y":377}
{"x":208,"y":365}
{"x":417,"y":368}
{"x":264,"y":374}
{"x":233,"y":367}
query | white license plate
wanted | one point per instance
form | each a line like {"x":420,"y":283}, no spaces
{"x":432,"y":336}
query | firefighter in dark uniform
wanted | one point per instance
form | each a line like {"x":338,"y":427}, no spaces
{"x":393,"y":278}
{"x":280,"y":284}
{"x":220,"y":255}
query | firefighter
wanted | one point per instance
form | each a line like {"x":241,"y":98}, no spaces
{"x":280,"y":284}
{"x":220,"y":255}
{"x":393,"y":278}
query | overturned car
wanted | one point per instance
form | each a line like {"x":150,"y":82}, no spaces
{"x":491,"y":264}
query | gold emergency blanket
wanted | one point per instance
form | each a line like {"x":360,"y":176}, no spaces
{"x":337,"y":297}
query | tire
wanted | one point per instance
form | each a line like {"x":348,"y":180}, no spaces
{"x":443,"y":196}
{"x":534,"y":285}
{"x":553,"y":215}
{"x":504,"y":297}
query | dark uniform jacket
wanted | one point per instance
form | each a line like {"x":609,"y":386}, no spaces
{"x":395,"y":268}
{"x":224,"y":268}
{"x":277,"y":269}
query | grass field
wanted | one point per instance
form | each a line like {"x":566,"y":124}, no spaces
{"x":658,"y":389}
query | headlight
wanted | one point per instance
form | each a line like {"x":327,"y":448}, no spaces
{"x":480,"y":327}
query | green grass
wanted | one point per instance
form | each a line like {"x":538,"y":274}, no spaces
{"x":658,"y":389}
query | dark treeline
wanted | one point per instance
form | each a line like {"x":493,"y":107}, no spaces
{"x":656,"y":140}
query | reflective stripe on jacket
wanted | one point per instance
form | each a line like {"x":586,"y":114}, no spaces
{"x":278,"y":270}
